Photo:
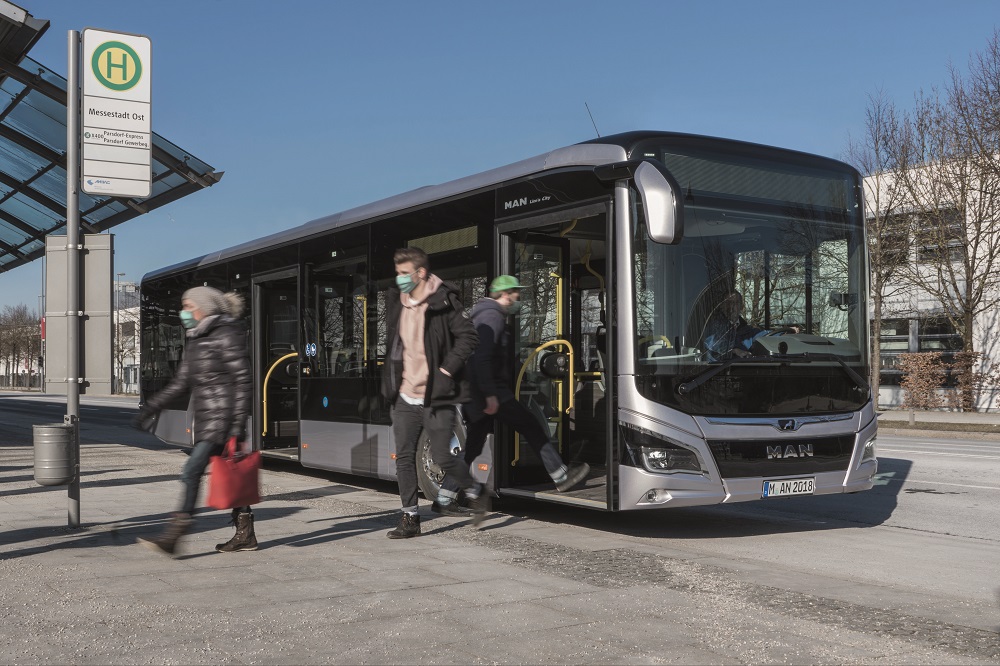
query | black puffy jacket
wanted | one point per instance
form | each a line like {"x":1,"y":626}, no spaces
{"x":215,"y":369}
{"x":449,"y":340}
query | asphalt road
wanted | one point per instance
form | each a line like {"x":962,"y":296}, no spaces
{"x":919,"y":553}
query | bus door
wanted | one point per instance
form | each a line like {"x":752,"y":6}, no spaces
{"x":560,"y":361}
{"x":336,"y":385}
{"x":276,"y":363}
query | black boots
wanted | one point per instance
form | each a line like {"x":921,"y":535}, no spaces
{"x":166,"y":543}
{"x":244,"y":539}
{"x":409,"y":526}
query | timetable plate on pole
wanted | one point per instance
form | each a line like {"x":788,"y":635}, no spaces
{"x":786,"y":487}
{"x":117,"y":133}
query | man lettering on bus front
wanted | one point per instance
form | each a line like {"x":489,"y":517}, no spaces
{"x":428,"y":340}
{"x":489,"y":371}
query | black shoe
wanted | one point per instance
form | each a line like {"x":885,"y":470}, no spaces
{"x":451,"y":509}
{"x":409,"y":526}
{"x":480,"y":507}
{"x":576,"y":475}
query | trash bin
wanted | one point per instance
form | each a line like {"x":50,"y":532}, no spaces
{"x":54,"y":454}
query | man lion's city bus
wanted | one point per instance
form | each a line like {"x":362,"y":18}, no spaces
{"x":634,"y":247}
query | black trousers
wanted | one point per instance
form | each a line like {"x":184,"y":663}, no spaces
{"x":408,"y":424}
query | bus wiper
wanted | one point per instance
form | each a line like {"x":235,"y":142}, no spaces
{"x":852,"y":373}
{"x":805,"y":357}
{"x":687,"y":387}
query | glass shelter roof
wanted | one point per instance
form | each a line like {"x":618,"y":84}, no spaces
{"x":33,"y":165}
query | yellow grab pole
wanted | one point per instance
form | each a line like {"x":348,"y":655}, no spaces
{"x":520,"y":377}
{"x":267,"y":377}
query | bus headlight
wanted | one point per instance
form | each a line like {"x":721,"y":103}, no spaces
{"x":660,"y":454}
{"x":869,"y":453}
{"x":670,"y":460}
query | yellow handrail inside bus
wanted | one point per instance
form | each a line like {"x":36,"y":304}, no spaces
{"x":267,"y":378}
{"x":520,"y":378}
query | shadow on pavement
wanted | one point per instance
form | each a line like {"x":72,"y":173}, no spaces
{"x":107,"y":483}
{"x":744,"y":519}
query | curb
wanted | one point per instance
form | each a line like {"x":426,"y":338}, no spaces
{"x":940,"y":434}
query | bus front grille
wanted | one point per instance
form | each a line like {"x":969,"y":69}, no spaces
{"x":782,"y":457}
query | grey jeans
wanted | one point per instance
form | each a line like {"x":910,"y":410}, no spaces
{"x":193,"y":470}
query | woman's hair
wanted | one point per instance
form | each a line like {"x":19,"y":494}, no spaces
{"x":234,"y":304}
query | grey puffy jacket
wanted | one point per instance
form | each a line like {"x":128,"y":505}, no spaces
{"x":215,"y":370}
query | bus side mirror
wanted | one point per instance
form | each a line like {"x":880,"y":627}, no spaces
{"x":661,"y":202}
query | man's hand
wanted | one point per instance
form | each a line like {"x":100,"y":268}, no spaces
{"x":492,"y":405}
{"x":145,"y":419}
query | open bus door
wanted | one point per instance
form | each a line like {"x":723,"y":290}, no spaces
{"x":559,"y":347}
{"x":276,"y":364}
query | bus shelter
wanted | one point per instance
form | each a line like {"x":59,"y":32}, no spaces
{"x":33,"y":154}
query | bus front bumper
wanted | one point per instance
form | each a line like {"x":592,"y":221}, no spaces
{"x":640,"y":489}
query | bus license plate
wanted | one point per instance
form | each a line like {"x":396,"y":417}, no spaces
{"x":789,"y":487}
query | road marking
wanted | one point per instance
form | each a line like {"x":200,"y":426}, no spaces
{"x":943,"y":483}
{"x":966,"y":444}
{"x":938,"y":453}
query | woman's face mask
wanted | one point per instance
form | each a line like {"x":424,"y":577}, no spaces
{"x":187,"y":319}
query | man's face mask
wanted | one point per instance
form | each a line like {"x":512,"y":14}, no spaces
{"x":406,"y":283}
{"x":187,"y":319}
{"x":514,"y":307}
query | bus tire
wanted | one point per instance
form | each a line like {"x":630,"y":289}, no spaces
{"x":429,"y":474}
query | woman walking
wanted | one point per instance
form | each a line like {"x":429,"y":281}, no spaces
{"x":215,"y":370}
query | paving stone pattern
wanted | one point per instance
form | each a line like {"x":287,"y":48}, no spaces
{"x":326,"y":586}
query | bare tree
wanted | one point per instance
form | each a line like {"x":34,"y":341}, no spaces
{"x":887,"y":223}
{"x":124,"y":346}
{"x":19,"y":343}
{"x":947,"y":162}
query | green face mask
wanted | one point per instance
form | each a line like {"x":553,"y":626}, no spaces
{"x":406,"y":283}
{"x":187,"y":319}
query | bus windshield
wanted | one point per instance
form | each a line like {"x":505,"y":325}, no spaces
{"x":762,"y":306}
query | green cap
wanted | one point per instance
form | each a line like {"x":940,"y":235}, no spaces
{"x":505,"y":283}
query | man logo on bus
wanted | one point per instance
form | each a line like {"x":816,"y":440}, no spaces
{"x":116,"y":65}
{"x":803,"y":451}
{"x":515,"y":203}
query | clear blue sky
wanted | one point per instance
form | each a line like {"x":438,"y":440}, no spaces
{"x":316,"y":106}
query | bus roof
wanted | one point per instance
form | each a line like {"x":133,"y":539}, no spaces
{"x":604,"y":150}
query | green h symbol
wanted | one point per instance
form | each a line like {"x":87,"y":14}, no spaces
{"x":110,"y":66}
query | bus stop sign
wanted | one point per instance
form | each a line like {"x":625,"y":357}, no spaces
{"x":117,"y":131}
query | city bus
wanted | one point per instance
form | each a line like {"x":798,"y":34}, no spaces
{"x":634,"y":247}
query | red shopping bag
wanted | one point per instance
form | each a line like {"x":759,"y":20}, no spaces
{"x":234,"y":478}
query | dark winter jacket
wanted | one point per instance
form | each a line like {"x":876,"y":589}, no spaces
{"x":489,"y":367}
{"x":215,"y":369}
{"x":449,"y":340}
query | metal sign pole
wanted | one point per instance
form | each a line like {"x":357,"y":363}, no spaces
{"x":73,"y":267}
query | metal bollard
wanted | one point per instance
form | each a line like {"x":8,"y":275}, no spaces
{"x":54,"y":455}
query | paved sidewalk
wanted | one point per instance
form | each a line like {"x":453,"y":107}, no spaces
{"x":326,"y":585}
